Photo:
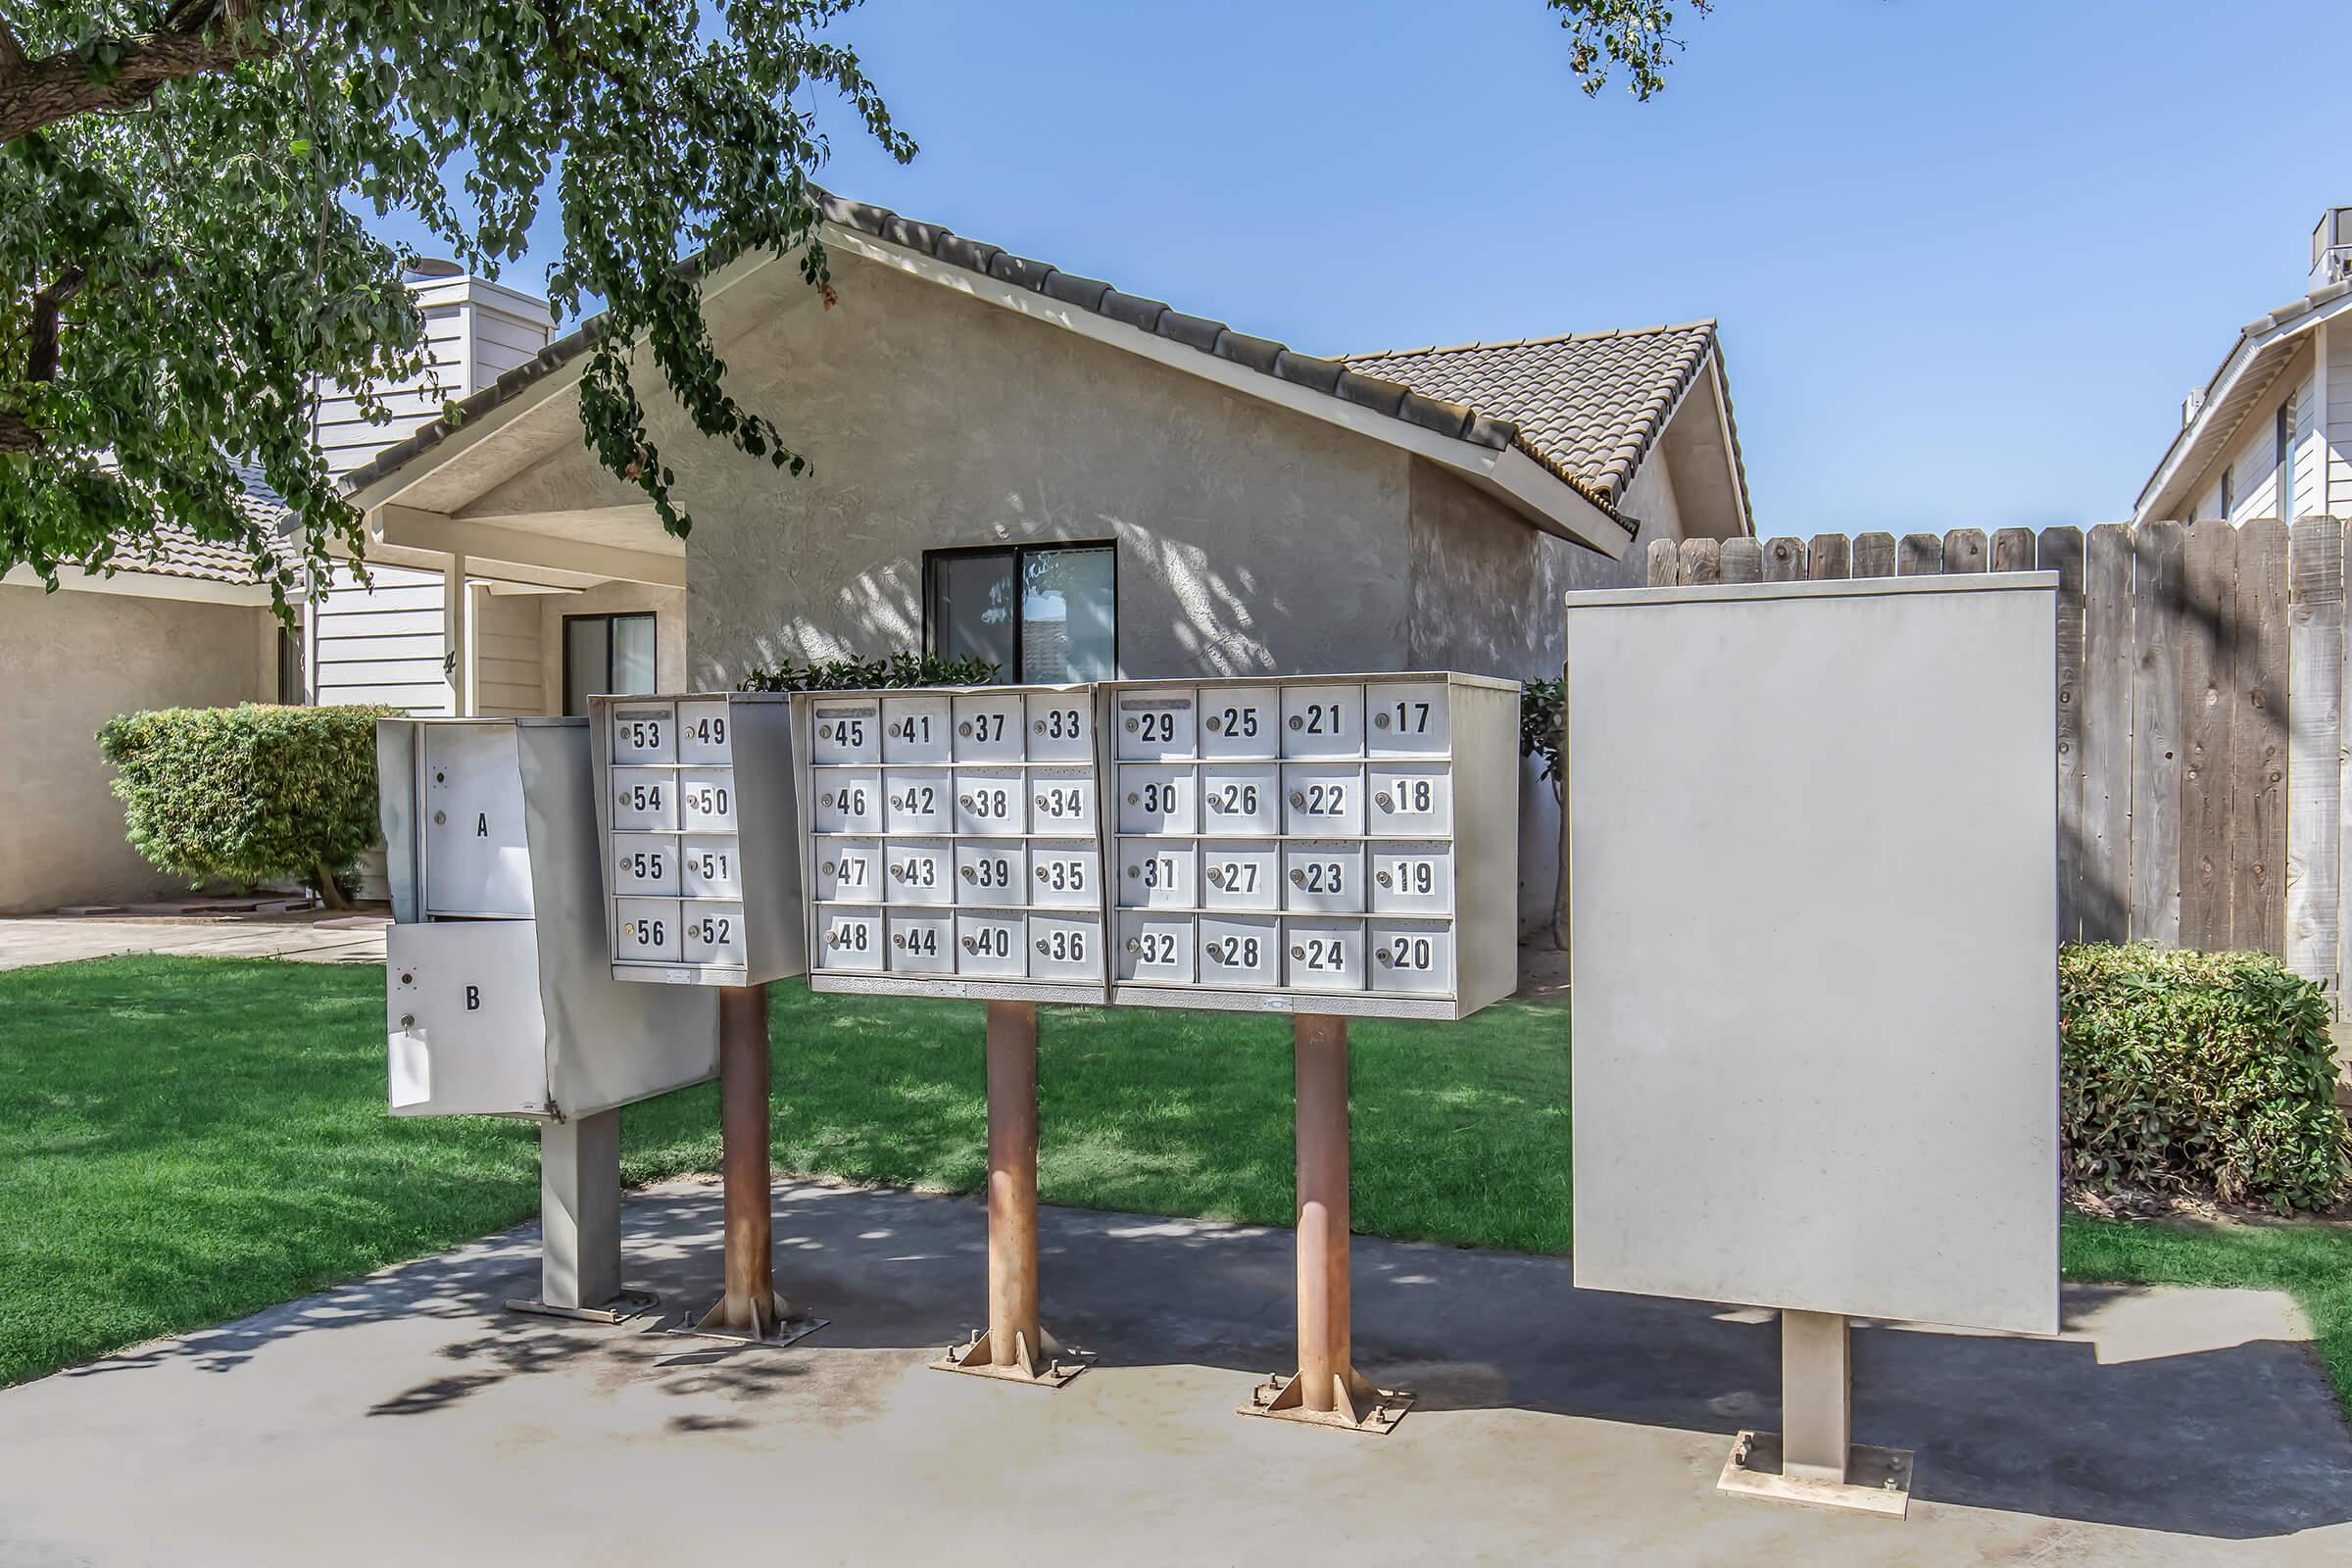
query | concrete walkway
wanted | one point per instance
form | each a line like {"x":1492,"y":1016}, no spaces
{"x":405,"y":1418}
{"x":29,"y":939}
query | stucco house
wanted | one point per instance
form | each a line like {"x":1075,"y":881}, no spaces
{"x":1077,"y":482}
{"x":2271,"y":434}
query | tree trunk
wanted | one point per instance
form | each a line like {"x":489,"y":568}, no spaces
{"x":328,"y":890}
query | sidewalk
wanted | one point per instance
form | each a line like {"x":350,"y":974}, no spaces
{"x":318,"y":937}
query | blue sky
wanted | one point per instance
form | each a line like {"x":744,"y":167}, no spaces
{"x":1967,"y":254}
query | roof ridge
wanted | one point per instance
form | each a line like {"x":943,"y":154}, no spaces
{"x":1703,"y":325}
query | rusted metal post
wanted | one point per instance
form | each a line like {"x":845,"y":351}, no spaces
{"x":751,"y":1308}
{"x":1327,"y":1388}
{"x":1015,"y":1345}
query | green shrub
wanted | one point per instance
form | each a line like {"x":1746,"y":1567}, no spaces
{"x":1542,"y":714}
{"x":2198,"y":1070}
{"x":864,"y":675}
{"x":249,"y":794}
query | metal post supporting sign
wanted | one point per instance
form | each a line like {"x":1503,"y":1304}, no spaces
{"x":751,"y":1312}
{"x":1014,"y":1347}
{"x":1814,"y":1457}
{"x":1326,"y":1390}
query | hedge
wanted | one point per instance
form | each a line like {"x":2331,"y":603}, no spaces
{"x":2205,"y":1072}
{"x":250,"y":794}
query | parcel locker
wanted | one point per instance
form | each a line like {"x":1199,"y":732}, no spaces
{"x":476,"y":860}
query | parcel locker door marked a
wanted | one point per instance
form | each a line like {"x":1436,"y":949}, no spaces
{"x":477,"y":857}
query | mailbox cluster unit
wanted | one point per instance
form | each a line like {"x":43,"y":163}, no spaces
{"x":953,"y":842}
{"x":695,"y":812}
{"x":1336,"y":845}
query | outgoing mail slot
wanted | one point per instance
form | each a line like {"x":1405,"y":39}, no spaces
{"x":846,"y":732}
{"x":1412,"y":878}
{"x":1241,"y":949}
{"x":644,"y":732}
{"x":992,"y":872}
{"x":922,"y":944}
{"x":916,"y":800}
{"x":1155,"y":948}
{"x":850,"y":939}
{"x":1064,"y":947}
{"x":1155,"y":724}
{"x":714,"y":932}
{"x":1244,"y":875}
{"x":645,"y":862}
{"x":1154,"y":798}
{"x":644,"y":798}
{"x":1061,"y":727}
{"x":1066,"y":874}
{"x":849,"y":870}
{"x":1244,"y":797}
{"x":992,"y":942}
{"x":988,"y":728}
{"x":1412,"y":956}
{"x":920,"y":871}
{"x":915,"y":729}
{"x":713,"y":867}
{"x":990,"y":800}
{"x":1409,"y":718}
{"x":646,"y":930}
{"x":703,"y":733}
{"x":707,"y":799}
{"x":1240,"y":722}
{"x":848,"y":800}
{"x":1062,"y":800}
{"x":1323,"y":875}
{"x":1322,"y":722}
{"x":1157,"y":874}
{"x":1323,"y":797}
{"x":1410,"y":797}
{"x":476,"y":854}
{"x":1323,"y":955}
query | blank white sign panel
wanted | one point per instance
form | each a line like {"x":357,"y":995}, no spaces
{"x":1814,"y":871}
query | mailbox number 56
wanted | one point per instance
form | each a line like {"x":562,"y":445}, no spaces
{"x":648,"y":933}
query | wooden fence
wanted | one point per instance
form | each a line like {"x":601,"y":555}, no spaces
{"x":2200,"y":746}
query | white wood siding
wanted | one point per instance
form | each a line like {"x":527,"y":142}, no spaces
{"x":509,"y":675}
{"x":2253,"y":458}
{"x":379,"y":645}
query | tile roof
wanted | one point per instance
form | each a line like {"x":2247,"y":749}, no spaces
{"x":1593,"y":403}
{"x":173,"y":551}
{"x":1584,"y":409}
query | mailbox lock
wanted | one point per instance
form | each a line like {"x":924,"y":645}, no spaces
{"x":824,"y":732}
{"x":1213,"y":722}
{"x":1216,"y":878}
{"x":970,"y":946}
{"x":964,"y":729}
{"x":1298,"y":878}
{"x":1135,"y":870}
{"x":969,"y":875}
{"x":899,"y":940}
{"x":440,"y":776}
{"x":1382,"y":954}
{"x":1134,"y":945}
{"x":1382,"y":799}
{"x":965,"y":801}
{"x":828,"y":869}
{"x":1131,"y":726}
{"x":408,"y":979}
{"x":832,"y":939}
{"x":1297,"y":797}
{"x":1298,"y":723}
{"x":1298,"y":952}
{"x":1043,"y":873}
{"x":1385,"y":879}
{"x":826,"y":799}
{"x":898,"y":873}
{"x":1380,"y":721}
{"x":440,"y":817}
{"x":407,"y":1020}
{"x":1132,"y":796}
{"x":1040,"y":728}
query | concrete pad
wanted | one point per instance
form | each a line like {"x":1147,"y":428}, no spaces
{"x":404,"y":1417}
{"x":36,"y":940}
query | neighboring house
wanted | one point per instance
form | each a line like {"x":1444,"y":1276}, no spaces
{"x":1016,"y":461}
{"x":2271,"y":434}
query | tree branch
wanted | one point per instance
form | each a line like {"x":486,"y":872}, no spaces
{"x":12,"y":49}
{"x":35,"y":93}
{"x":41,"y":363}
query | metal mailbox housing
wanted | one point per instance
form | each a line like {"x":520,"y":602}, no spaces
{"x":710,"y":776}
{"x":499,"y":991}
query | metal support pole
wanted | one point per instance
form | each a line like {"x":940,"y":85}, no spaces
{"x":1813,"y":1458}
{"x":579,"y":1223}
{"x":1327,"y":1388}
{"x":750,"y":1309}
{"x":1014,"y":1345}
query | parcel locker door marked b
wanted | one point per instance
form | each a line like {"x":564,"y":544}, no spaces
{"x":462,"y":1017}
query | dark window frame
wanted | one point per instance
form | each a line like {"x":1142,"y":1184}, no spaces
{"x":1019,"y":555}
{"x":607,"y":617}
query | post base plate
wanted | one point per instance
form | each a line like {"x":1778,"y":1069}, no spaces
{"x":1876,"y":1480}
{"x":622,"y":1307}
{"x":977,"y":1357}
{"x":1357,"y":1404}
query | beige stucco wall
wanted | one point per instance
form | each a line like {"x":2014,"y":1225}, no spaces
{"x":70,"y":661}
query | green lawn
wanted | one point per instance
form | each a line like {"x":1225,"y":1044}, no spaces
{"x":184,"y":1140}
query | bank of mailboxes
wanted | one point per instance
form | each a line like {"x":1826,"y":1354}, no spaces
{"x":702,"y":877}
{"x":499,"y":994}
{"x":1341,"y":845}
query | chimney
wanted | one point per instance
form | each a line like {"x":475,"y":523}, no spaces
{"x":2331,"y":247}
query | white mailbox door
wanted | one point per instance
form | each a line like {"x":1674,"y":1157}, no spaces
{"x":703,"y":733}
{"x":1323,"y":797}
{"x":476,"y":858}
{"x":1325,"y":954}
{"x":1409,"y":718}
{"x":1412,"y":878}
{"x":1062,"y":800}
{"x":992,"y":943}
{"x":464,"y":1023}
{"x":849,"y":870}
{"x":1241,"y":949}
{"x":1240,"y":722}
{"x":713,"y":867}
{"x":988,"y":727}
{"x":1061,"y":727}
{"x":921,"y":871}
{"x":1410,"y":797}
{"x":991,"y":801}
{"x":848,"y":800}
{"x":1244,"y":875}
{"x":1241,"y":798}
{"x":1064,"y":947}
{"x":1155,"y":948}
{"x":992,"y":872}
{"x":1322,"y":722}
{"x":1158,"y":874}
{"x":915,"y":729}
{"x":1323,"y":875}
{"x":851,"y":939}
{"x":1155,"y":724}
{"x":848,"y":731}
{"x":916,"y":800}
{"x":1068,"y":874}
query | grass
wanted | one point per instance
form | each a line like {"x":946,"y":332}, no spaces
{"x":184,"y":1140}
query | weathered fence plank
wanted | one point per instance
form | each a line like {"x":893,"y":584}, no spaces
{"x":2060,"y":549}
{"x":1874,"y":555}
{"x":2104,"y":714}
{"x":1963,"y":551}
{"x":1742,"y":560}
{"x":2208,"y":658}
{"x":1832,"y":557}
{"x":2013,"y":549}
{"x":2315,"y":676}
{"x":1785,"y":560}
{"x":1702,"y":561}
{"x":1921,"y":555}
{"x":1664,"y":564}
{"x":2258,"y":743}
{"x":2156,"y":734}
